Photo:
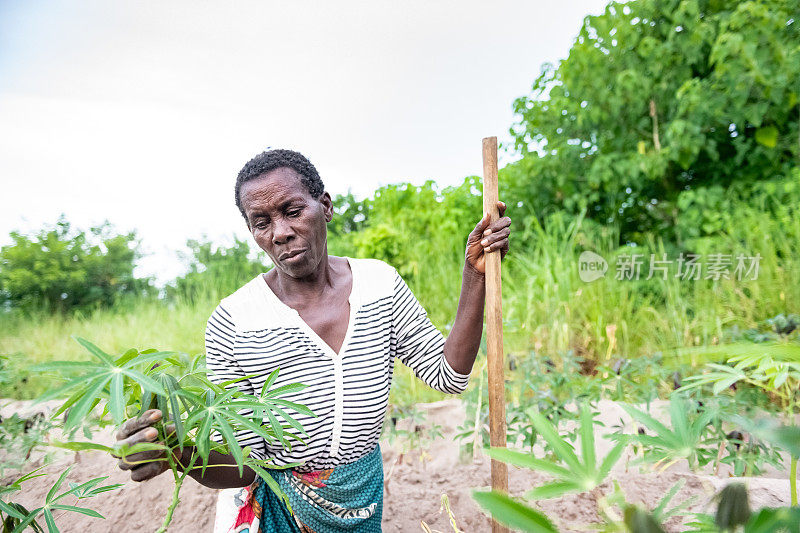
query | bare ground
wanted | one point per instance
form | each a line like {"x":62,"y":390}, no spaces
{"x":414,"y":485}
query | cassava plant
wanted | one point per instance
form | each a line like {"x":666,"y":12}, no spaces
{"x":685,"y":439}
{"x":15,"y":518}
{"x":194,"y":409}
{"x":773,"y":367}
{"x":572,"y":472}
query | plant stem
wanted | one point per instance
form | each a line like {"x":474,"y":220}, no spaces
{"x":175,"y":501}
{"x":793,"y":480}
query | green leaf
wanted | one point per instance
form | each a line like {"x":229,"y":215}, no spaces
{"x":271,"y":483}
{"x":269,"y":381}
{"x":276,"y":426}
{"x":82,"y":407}
{"x":29,"y":521}
{"x":554,"y":490}
{"x":639,"y":520}
{"x":301,"y":409}
{"x":767,"y":136}
{"x":673,"y":490}
{"x":147,"y":384}
{"x":561,"y":448}
{"x":117,"y":402}
{"x":611,"y":459}
{"x":11,"y":511}
{"x":284,"y":389}
{"x":724,"y":383}
{"x":82,"y":446}
{"x":94,"y":350}
{"x":127,"y":356}
{"x":60,"y":481}
{"x":291,"y":421}
{"x":527,"y":461}
{"x":50,"y":521}
{"x":104,"y":488}
{"x":59,"y":392}
{"x":767,"y":520}
{"x":81,"y":510}
{"x":233,"y":444}
{"x":587,"y":437}
{"x":512,"y":513}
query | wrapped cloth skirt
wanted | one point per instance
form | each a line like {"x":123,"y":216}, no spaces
{"x":346,"y":498}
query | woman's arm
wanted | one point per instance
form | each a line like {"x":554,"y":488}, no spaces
{"x":462,"y":344}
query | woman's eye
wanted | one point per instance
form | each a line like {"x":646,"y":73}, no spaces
{"x":294,"y":213}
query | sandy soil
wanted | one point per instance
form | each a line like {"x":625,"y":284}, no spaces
{"x":414,"y":485}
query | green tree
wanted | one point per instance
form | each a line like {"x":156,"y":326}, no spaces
{"x":215,"y":269}
{"x":61,"y":268}
{"x":658,"y":101}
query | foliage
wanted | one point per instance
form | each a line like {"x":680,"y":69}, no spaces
{"x":408,"y":426}
{"x":572,"y":473}
{"x":686,"y":439}
{"x":579,"y":474}
{"x":418,"y":230}
{"x":205,"y":414}
{"x":15,"y":518}
{"x":513,"y":513}
{"x":217,"y":269}
{"x":61,"y":268}
{"x":772,"y":367}
{"x":19,"y":437}
{"x":659,"y":108}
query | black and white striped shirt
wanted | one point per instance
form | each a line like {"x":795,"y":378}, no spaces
{"x":253,"y":332}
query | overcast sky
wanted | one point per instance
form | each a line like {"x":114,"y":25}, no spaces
{"x":142,"y":112}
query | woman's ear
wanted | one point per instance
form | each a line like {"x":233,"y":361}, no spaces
{"x":327,"y":205}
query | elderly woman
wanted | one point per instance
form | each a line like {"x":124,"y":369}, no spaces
{"x":335,"y":324}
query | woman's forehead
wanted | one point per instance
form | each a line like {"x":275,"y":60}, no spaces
{"x":275,"y":186}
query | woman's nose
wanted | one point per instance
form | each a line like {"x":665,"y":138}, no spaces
{"x":282,"y":232}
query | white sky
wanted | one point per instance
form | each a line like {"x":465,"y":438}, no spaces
{"x":142,"y":112}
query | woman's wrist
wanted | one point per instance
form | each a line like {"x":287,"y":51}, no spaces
{"x":472,"y":274}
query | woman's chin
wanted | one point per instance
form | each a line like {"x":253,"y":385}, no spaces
{"x":297,"y":267}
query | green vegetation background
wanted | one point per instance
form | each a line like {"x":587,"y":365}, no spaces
{"x":673,"y":127}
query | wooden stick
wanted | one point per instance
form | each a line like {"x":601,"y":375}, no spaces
{"x":494,"y":328}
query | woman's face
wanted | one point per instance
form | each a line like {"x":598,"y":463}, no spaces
{"x":286,"y":221}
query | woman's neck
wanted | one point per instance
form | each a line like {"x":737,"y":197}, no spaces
{"x":308,"y":288}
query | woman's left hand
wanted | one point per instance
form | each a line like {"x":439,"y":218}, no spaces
{"x":486,"y":238}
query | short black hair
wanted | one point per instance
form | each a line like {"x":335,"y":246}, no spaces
{"x":278,"y":158}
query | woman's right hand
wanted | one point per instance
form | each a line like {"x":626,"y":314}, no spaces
{"x":137,"y":430}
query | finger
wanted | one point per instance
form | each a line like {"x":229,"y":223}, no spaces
{"x":502,"y":225}
{"x":497,"y":225}
{"x":497,"y":246}
{"x":149,"y":434}
{"x":495,"y":237}
{"x":133,"y":425}
{"x":138,"y":459}
{"x":482,"y":225}
{"x":501,"y":208}
{"x":146,"y":471}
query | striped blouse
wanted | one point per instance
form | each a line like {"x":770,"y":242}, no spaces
{"x":252,"y":332}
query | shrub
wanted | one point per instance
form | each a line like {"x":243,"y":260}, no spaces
{"x":61,"y":268}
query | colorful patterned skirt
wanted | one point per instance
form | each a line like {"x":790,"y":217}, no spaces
{"x":346,"y":498}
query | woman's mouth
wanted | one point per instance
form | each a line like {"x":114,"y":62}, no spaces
{"x":292,"y":255}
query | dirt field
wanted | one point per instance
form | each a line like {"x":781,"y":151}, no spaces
{"x":413,"y":487}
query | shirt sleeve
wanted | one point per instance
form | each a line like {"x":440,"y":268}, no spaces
{"x":419,"y":345}
{"x":221,"y":366}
